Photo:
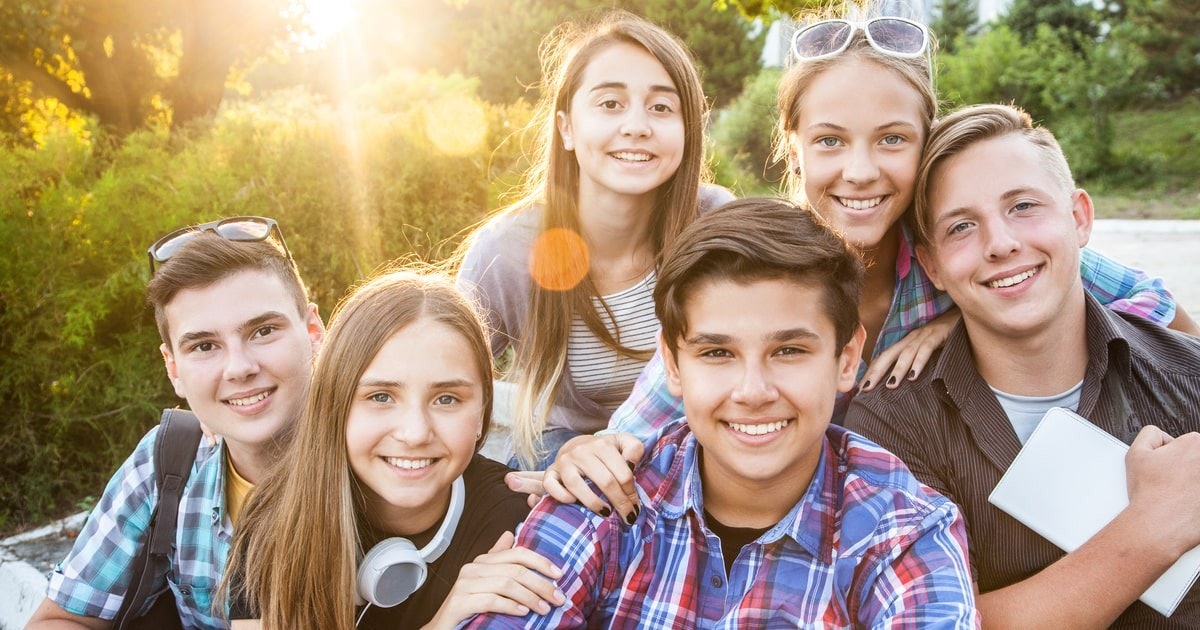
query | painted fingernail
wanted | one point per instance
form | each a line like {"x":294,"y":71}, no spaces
{"x":632,"y":466}
{"x":637,"y":510}
{"x":631,"y":518}
{"x":866,"y":385}
{"x":605,"y":512}
{"x":912,"y":374}
{"x":891,"y":381}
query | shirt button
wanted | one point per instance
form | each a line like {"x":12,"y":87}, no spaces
{"x":716,"y":581}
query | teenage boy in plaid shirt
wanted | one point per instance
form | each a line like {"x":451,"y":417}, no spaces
{"x":755,"y":510}
{"x":238,"y":339}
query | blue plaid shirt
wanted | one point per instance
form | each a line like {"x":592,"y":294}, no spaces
{"x":915,"y":303}
{"x":93,"y":578}
{"x":867,"y":546}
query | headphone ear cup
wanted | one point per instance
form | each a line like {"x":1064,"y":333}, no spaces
{"x":391,"y":572}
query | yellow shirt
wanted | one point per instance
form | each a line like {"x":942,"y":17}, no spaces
{"x":237,"y":488}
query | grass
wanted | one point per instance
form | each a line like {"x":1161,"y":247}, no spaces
{"x":1162,"y":177}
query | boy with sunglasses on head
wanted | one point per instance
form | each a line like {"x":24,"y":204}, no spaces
{"x":1001,"y":225}
{"x":238,"y":339}
{"x":756,"y":512}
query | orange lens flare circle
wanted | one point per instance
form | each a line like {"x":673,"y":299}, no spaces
{"x":559,"y":259}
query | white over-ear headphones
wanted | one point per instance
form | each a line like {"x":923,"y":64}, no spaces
{"x":394,"y":569}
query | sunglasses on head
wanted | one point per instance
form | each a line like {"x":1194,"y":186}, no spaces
{"x":893,"y":36}
{"x":244,"y":229}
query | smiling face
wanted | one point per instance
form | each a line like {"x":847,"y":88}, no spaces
{"x":1005,"y":235}
{"x":758,"y":368}
{"x":625,"y":124}
{"x":413,"y":423}
{"x":858,"y":141}
{"x":241,"y":355}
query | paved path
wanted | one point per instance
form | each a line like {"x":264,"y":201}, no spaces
{"x":1169,"y":249}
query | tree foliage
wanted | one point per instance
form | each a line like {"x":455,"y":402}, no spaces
{"x":1165,"y":34}
{"x":954,"y":19}
{"x":128,"y":62}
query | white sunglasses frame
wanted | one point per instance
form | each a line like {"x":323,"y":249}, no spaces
{"x":865,"y":27}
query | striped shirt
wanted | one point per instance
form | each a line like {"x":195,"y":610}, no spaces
{"x":96,"y":573}
{"x":599,"y":372}
{"x":915,"y":303}
{"x":866,"y":546}
{"x":954,"y":435}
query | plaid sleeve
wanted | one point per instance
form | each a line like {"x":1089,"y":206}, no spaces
{"x":574,"y":540}
{"x":1125,"y":289}
{"x":650,"y":405}
{"x":918,"y":577}
{"x":93,"y":578}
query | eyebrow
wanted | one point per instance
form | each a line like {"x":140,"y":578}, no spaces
{"x":778,"y":336}
{"x":390,"y":384}
{"x":253,"y":322}
{"x":608,"y":85}
{"x":890,"y":125}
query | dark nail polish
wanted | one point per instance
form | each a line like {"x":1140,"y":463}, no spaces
{"x":912,"y":374}
{"x":866,"y":385}
{"x":891,"y":381}
{"x":632,"y":466}
{"x":605,"y":512}
{"x":631,"y":518}
{"x":637,"y":511}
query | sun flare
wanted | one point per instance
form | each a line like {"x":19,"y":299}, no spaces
{"x":325,"y":18}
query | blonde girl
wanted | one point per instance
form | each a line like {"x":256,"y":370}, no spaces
{"x":565,"y":276}
{"x":399,"y":404}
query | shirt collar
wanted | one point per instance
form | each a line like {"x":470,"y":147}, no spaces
{"x":677,"y":491}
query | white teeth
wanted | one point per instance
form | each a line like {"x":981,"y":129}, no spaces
{"x":631,"y":157}
{"x":860,"y":204}
{"x":408,"y":464}
{"x":1017,"y":279}
{"x":759,"y":429}
{"x":250,"y":400}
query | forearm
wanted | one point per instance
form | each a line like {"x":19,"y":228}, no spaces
{"x":1088,"y":588}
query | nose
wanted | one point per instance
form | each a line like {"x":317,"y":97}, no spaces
{"x":240,"y":362}
{"x":860,"y":167}
{"x":411,"y":425}
{"x":1000,"y":241}
{"x":755,"y":388}
{"x":635,"y":123}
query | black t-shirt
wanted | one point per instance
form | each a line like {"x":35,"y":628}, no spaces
{"x":490,"y":510}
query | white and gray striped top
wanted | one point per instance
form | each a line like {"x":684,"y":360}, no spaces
{"x":598,"y":371}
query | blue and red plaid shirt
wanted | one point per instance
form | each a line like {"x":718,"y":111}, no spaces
{"x":915,"y":303}
{"x":866,"y":546}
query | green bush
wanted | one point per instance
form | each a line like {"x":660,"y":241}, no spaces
{"x":742,"y":134}
{"x":396,"y":170}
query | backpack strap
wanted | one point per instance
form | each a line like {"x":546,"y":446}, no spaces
{"x":174,"y":453}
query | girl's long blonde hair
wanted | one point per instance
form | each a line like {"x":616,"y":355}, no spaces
{"x":553,"y":182}
{"x":299,"y":540}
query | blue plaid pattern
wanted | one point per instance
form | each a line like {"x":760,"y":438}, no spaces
{"x":93,"y":578}
{"x":866,"y":547}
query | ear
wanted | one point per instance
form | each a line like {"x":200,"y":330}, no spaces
{"x":1084,"y":213}
{"x":793,"y":154}
{"x":172,"y":370}
{"x":564,"y":129}
{"x":671,"y":367}
{"x":926,"y":258}
{"x":315,"y":327}
{"x":849,"y":359}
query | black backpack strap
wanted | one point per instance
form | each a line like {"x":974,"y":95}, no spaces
{"x":174,"y":453}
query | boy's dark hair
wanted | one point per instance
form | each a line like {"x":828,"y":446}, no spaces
{"x":207,"y":258}
{"x":759,"y":239}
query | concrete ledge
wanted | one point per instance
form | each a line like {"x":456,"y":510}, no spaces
{"x":22,"y":585}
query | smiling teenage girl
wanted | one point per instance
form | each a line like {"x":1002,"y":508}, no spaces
{"x":385,"y":450}
{"x":565,"y":276}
